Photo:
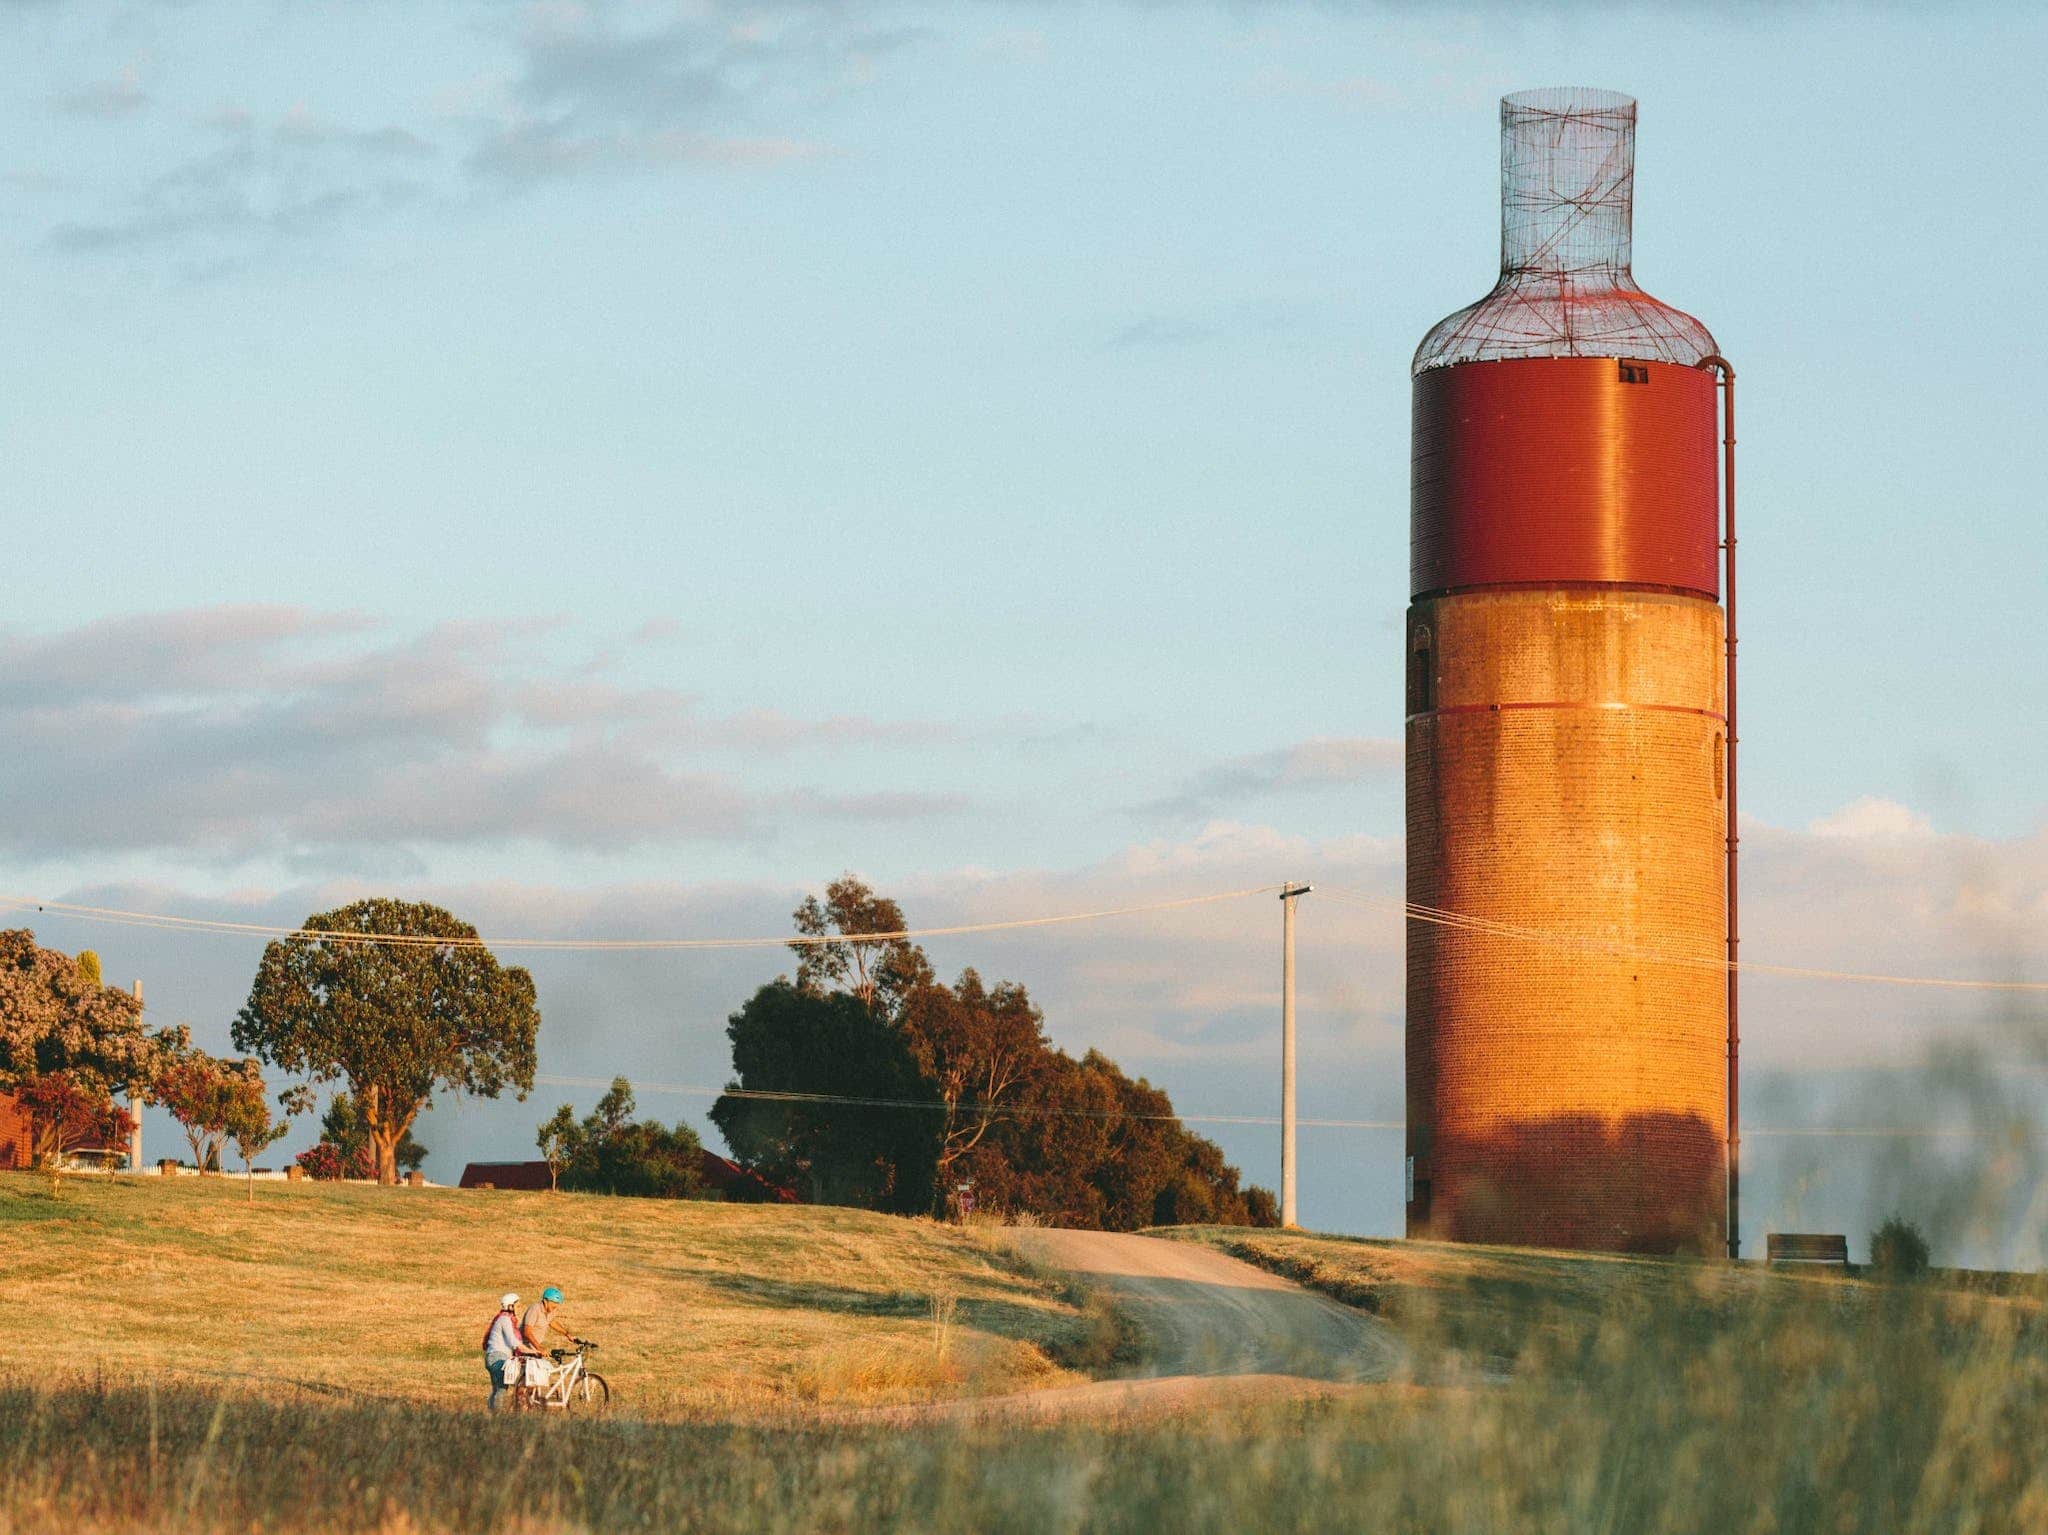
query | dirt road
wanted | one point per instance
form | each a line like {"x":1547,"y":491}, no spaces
{"x":1211,"y":1331}
{"x":1201,"y":1313}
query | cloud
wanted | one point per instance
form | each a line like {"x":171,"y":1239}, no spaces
{"x":527,"y":152}
{"x":1323,"y":763}
{"x":884,"y":806}
{"x":564,"y":90}
{"x":236,"y":733}
{"x":1188,"y":997}
{"x":1873,"y":818}
{"x":198,"y":650}
{"x":260,"y":185}
{"x":121,"y":96}
{"x":300,"y":128}
{"x":608,"y":90}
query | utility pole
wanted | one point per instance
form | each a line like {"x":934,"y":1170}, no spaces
{"x":1288,"y":895}
{"x":136,"y":1099}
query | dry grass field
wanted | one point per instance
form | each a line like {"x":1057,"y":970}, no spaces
{"x":699,"y":1309}
{"x":1480,"y":1309}
{"x":157,"y":1330}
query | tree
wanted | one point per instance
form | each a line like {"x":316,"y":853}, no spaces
{"x":559,"y":1139}
{"x":249,"y":1125}
{"x":883,"y":972}
{"x":68,"y":1044}
{"x":394,"y":1019}
{"x":870,"y":1082}
{"x":880,"y":1153}
{"x":67,"y":1115}
{"x":974,"y":1045}
{"x":53,"y":1018}
{"x":344,"y":1128}
{"x":1898,"y":1250}
{"x":1085,"y":1145}
{"x":612,"y":1153}
{"x":201,"y":1092}
{"x":89,"y":968}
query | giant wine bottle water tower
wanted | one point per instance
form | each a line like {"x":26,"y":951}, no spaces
{"x":1571,"y":858}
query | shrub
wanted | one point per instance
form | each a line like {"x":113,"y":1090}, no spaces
{"x":1898,"y":1250}
{"x":329,"y":1162}
{"x":611,"y":1153}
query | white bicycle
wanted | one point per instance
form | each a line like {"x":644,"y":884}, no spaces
{"x":565,"y":1384}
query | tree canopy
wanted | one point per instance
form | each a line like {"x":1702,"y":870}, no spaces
{"x":56,"y":1017}
{"x":394,"y":1020}
{"x":611,"y":1152}
{"x":868,"y":1081}
{"x":881,"y":973}
{"x":206,"y":1096}
{"x":834,"y":1044}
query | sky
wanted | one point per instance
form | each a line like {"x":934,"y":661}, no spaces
{"x":610,"y":468}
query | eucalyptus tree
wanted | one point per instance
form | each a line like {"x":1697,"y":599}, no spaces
{"x":397,"y":998}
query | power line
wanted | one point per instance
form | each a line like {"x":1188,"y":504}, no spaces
{"x":1036,"y":1111}
{"x":1436,"y":916}
{"x":164,"y":920}
{"x":1439,"y":917}
{"x":1026,"y":1111}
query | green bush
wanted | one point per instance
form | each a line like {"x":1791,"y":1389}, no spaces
{"x":1898,"y":1250}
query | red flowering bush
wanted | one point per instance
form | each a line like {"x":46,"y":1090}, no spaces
{"x":328,"y":1161}
{"x":70,"y":1115}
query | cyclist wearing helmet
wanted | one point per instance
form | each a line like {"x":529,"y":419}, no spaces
{"x":500,"y":1344}
{"x":540,"y":1320}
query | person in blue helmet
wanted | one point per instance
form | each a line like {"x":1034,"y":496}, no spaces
{"x":539,"y":1321}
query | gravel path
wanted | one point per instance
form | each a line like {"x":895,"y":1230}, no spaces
{"x":1199,"y":1312}
{"x":1211,"y":1331}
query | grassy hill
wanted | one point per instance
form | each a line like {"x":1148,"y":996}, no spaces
{"x":158,"y":1327}
{"x":699,"y":1308}
{"x":1485,"y":1308}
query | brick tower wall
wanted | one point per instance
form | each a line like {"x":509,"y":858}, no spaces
{"x":1565,"y":773}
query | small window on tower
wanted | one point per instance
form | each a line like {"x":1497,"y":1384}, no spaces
{"x":1421,"y":672}
{"x":1635,"y":372}
{"x":1720,"y":765}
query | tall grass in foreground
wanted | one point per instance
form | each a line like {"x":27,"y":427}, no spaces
{"x":1830,"y":1408}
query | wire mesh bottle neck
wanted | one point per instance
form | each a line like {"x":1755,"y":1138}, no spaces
{"x":1567,"y":185}
{"x":1567,"y":213}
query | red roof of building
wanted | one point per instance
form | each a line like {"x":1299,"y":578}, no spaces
{"x":506,"y":1175}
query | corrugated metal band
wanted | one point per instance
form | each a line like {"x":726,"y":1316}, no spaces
{"x":1712,"y":714}
{"x":1603,"y":587}
{"x":1564,"y":470}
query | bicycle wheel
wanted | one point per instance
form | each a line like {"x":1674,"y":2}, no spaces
{"x":590,"y":1394}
